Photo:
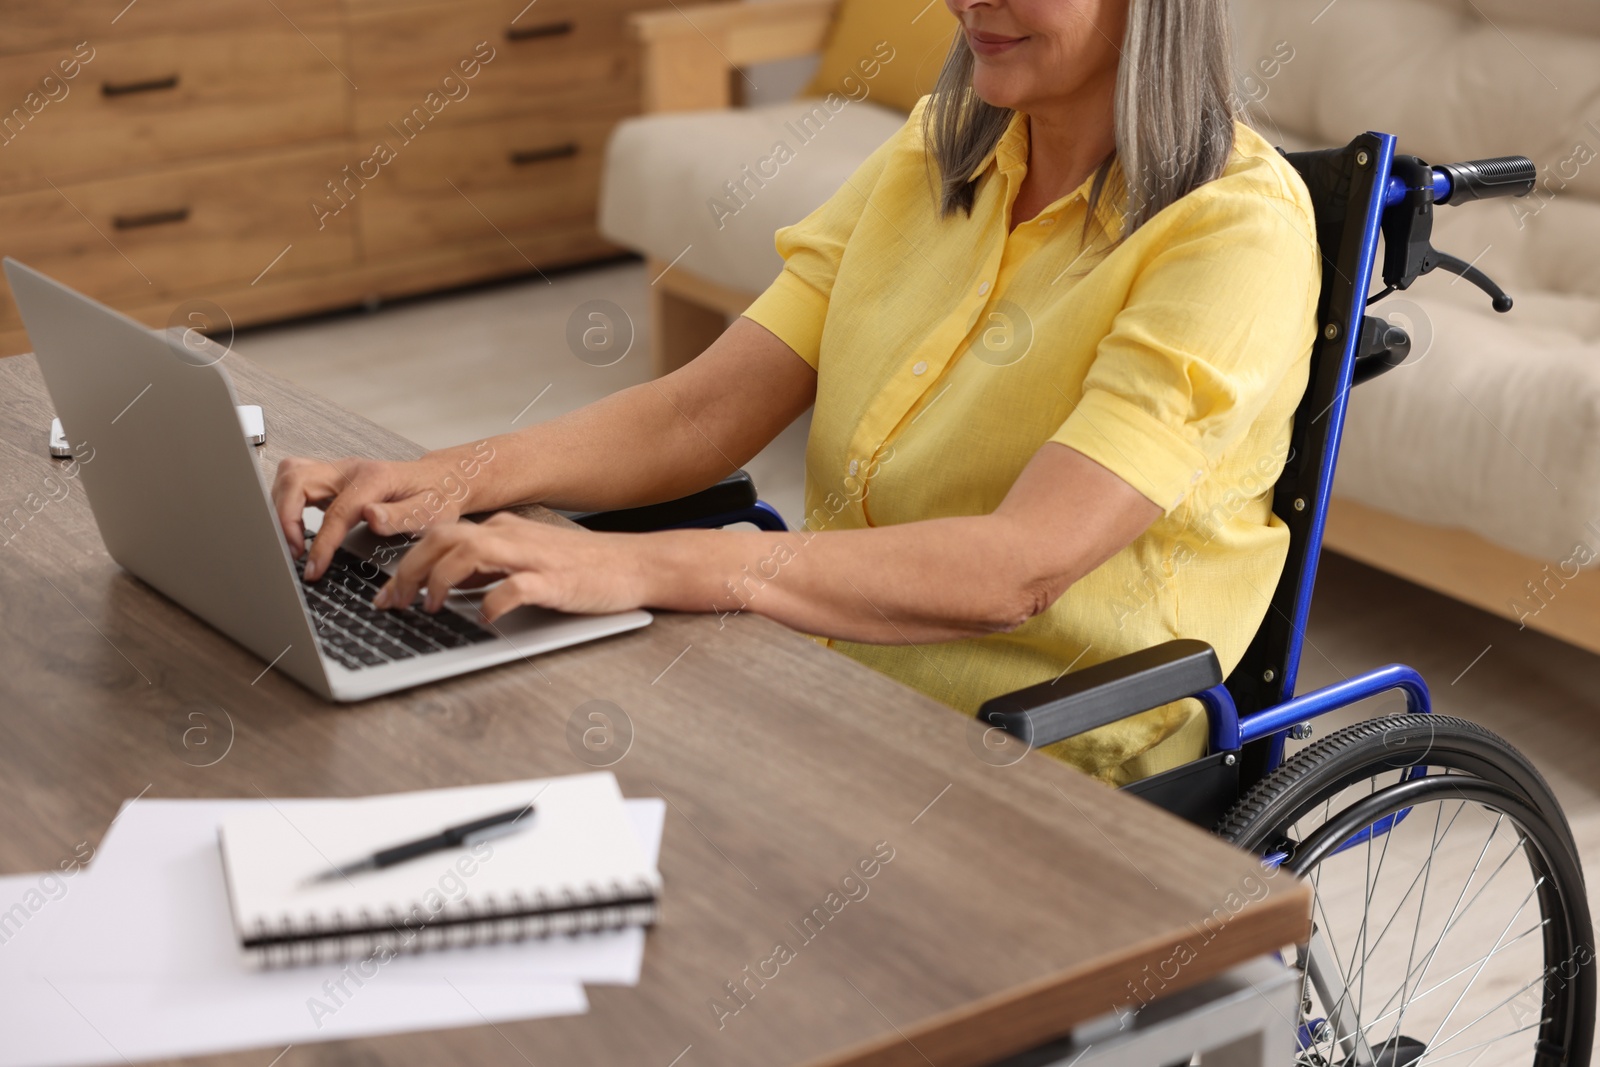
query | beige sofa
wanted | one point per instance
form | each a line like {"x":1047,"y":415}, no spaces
{"x":1474,"y":471}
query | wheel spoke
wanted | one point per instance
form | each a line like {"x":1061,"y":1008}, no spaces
{"x":1457,"y":974}
{"x":1536,"y":980}
{"x":1457,"y":915}
{"x":1422,"y":902}
{"x":1423,"y":875}
{"x":1371,"y":945}
{"x":1405,"y":983}
{"x":1345,"y":1032}
{"x":1462,"y":995}
{"x":1483,"y":1044}
{"x":1363,"y":947}
{"x":1458,"y":912}
{"x":1366,"y":910}
{"x":1316,"y":887}
{"x":1333,"y":956}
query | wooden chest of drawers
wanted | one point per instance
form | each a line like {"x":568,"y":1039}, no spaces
{"x":283,"y":158}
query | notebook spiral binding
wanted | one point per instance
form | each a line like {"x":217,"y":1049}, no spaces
{"x":308,"y":939}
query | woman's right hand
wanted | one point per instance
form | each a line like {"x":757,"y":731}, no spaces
{"x":391,"y":497}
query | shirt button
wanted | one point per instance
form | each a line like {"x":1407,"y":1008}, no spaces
{"x":920,"y":367}
{"x":855,"y":465}
{"x":983,"y":290}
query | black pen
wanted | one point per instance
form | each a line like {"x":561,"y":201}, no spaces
{"x":468,"y":833}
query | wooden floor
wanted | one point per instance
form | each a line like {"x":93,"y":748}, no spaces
{"x":452,"y":368}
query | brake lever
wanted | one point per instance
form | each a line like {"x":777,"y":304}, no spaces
{"x":1408,"y":233}
{"x":1462,"y":269}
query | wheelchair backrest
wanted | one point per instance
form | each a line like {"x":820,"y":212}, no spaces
{"x":1347,"y":187}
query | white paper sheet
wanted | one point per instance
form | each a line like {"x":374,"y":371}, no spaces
{"x":66,"y":1022}
{"x":63,"y":1020}
{"x":82,"y":982}
{"x":155,"y":906}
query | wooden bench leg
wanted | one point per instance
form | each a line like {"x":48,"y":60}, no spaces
{"x":680,"y":328}
{"x":687,"y":313}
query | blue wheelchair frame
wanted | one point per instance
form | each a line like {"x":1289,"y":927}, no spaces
{"x":1231,"y":732}
{"x":1359,"y":193}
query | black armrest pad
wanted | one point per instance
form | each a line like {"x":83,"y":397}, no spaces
{"x":734,"y":493}
{"x":1075,"y":703}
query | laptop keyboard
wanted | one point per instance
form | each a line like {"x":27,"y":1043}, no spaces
{"x":355,"y":634}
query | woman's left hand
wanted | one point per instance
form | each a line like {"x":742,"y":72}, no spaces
{"x":566,"y":569}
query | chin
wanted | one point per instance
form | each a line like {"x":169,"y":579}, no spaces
{"x":997,"y":89}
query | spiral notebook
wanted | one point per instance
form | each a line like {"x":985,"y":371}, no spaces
{"x":578,"y":866}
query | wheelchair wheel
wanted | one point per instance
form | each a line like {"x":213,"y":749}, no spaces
{"x":1450,"y":921}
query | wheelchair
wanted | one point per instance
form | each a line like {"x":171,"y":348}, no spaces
{"x":1478,"y":837}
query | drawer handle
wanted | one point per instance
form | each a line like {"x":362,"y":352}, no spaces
{"x":543,"y":29}
{"x":543,"y":155}
{"x":153,"y":218}
{"x":151,"y":85}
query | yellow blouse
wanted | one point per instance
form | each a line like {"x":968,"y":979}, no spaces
{"x":950,"y":350}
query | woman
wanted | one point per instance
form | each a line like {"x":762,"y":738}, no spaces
{"x":1050,"y":401}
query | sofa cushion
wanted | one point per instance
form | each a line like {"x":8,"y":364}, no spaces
{"x":905,"y":41}
{"x":714,"y":186}
{"x":1493,"y":429}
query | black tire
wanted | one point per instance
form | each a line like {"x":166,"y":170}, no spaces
{"x":1461,"y":760}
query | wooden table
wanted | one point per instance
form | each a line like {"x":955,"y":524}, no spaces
{"x":1019,"y":902}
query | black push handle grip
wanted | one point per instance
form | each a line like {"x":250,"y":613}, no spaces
{"x":1480,"y":179}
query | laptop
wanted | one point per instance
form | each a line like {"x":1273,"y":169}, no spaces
{"x":182,"y":504}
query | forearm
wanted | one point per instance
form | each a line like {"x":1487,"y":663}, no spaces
{"x":919,"y":583}
{"x":657,"y":441}
{"x":633,"y":447}
{"x":915,"y":583}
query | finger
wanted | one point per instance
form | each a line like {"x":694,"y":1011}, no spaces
{"x":286,"y":499}
{"x":455,"y":569}
{"x":523,"y":587}
{"x":288,"y":518}
{"x":418,"y":562}
{"x":413,"y":515}
{"x":299,"y":482}
{"x":353,"y":486}
{"x":478,"y":581}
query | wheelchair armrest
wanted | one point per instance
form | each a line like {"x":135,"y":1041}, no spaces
{"x":734,"y":493}
{"x":1078,"y":702}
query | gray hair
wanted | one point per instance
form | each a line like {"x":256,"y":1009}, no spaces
{"x":1175,"y":112}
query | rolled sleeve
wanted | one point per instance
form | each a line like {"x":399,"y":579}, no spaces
{"x":1213,"y":326}
{"x":795,"y":306}
{"x":1129,"y":442}
{"x":794,"y":310}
